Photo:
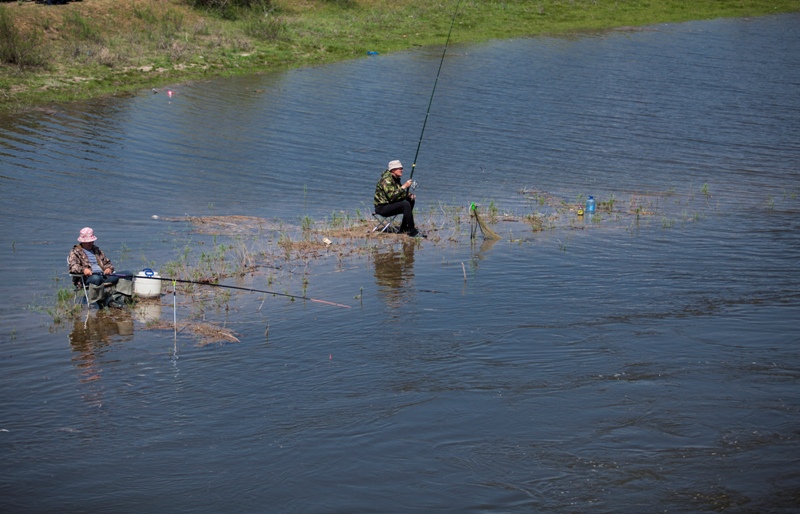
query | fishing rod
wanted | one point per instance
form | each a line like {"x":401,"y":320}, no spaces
{"x":251,"y":290}
{"x":425,"y":122}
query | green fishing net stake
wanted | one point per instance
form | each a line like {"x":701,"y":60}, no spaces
{"x":487,"y":232}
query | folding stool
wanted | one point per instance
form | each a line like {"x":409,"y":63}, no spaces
{"x":385,"y":224}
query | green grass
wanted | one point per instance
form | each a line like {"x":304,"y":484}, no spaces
{"x":84,"y":54}
{"x":61,"y":304}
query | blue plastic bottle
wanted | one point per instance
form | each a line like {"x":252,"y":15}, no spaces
{"x":591,"y":205}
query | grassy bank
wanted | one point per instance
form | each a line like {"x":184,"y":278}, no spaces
{"x":93,"y":48}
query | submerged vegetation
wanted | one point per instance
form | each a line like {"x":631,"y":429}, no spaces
{"x":65,"y":305}
{"x":285,"y":258}
{"x":94,"y":48}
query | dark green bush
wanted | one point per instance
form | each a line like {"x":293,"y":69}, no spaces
{"x":264,"y":28}
{"x":222,"y":4}
{"x":346,"y":4}
{"x":81,"y":27}
{"x":18,"y":48}
{"x":229,"y":9}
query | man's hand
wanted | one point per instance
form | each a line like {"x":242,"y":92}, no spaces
{"x":407,"y":184}
{"x":87,"y":271}
{"x":107,"y":271}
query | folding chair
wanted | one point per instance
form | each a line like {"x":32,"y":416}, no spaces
{"x":77,"y":282}
{"x":385,"y":224}
{"x":91,"y":292}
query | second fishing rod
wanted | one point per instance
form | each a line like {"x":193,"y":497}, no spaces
{"x":149,"y":276}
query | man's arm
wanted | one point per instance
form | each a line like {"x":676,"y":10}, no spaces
{"x":74,"y":262}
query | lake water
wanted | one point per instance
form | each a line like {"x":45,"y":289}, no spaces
{"x":618,"y":363}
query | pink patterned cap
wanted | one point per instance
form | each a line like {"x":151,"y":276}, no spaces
{"x":87,"y":235}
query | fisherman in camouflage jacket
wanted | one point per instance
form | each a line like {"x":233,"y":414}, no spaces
{"x":393,"y":197}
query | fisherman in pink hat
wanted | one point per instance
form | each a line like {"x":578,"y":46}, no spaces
{"x":86,"y":259}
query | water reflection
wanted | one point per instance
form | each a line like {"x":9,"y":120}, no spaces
{"x":394,"y":274}
{"x":91,"y":336}
{"x":479,"y":251}
{"x":669,"y":349}
{"x":147,"y":311}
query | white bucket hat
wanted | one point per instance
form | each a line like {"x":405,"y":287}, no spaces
{"x":395,"y":164}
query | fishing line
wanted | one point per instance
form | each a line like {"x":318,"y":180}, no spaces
{"x":251,"y":290}
{"x":452,"y":22}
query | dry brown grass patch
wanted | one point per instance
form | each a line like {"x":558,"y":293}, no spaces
{"x":227,"y":225}
{"x":302,"y":246}
{"x":206,"y":333}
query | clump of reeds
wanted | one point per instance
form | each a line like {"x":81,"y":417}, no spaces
{"x":607,"y":205}
{"x":64,"y":304}
{"x":536,"y":222}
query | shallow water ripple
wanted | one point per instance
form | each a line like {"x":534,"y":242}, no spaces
{"x":646,"y":356}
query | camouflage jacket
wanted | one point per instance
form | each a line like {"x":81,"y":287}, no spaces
{"x":78,"y":261}
{"x":388,"y":190}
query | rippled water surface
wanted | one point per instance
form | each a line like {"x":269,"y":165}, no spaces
{"x":646,"y":359}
